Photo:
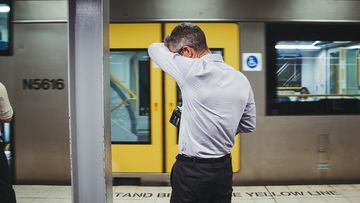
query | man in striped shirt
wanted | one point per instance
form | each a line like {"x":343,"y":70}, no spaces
{"x":218,"y":103}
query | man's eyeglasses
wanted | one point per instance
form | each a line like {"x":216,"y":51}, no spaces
{"x":180,"y":50}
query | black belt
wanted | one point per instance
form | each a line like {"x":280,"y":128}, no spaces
{"x":202,"y":160}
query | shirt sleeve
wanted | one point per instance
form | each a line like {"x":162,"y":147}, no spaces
{"x":6,"y":111}
{"x":247,"y":122}
{"x":173,"y":64}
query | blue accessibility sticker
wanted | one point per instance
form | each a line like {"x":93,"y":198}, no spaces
{"x":252,"y":61}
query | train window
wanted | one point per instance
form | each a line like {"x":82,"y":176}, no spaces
{"x":5,"y":27}
{"x":130,"y":96}
{"x":313,"y":69}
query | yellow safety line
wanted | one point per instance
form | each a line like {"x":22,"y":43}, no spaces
{"x":133,"y":95}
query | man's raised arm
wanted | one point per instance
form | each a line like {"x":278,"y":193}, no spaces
{"x":172,"y":63}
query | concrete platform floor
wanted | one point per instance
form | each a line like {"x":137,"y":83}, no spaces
{"x":254,"y":194}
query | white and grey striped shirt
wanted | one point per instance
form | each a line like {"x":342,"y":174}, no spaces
{"x":218,"y":101}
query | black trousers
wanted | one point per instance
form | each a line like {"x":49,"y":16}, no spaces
{"x":7,"y":194}
{"x":194,"y":182}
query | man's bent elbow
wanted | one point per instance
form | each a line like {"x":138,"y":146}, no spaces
{"x":246,"y":129}
{"x":6,"y":120}
{"x":252,"y":127}
{"x":250,"y":130}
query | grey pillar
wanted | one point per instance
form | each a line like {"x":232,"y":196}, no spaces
{"x":89,"y":102}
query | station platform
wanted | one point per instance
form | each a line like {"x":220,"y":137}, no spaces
{"x":241,"y":194}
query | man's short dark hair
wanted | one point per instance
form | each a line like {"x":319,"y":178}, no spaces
{"x":186,"y":34}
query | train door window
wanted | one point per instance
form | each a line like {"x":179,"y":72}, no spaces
{"x":5,"y":34}
{"x":313,"y":69}
{"x":130,"y":96}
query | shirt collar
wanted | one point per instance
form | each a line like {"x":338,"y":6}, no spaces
{"x":213,"y":57}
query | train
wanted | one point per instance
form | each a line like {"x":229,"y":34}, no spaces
{"x":302,"y":59}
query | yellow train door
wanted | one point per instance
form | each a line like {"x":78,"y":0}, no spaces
{"x":136,"y":99}
{"x":224,"y":39}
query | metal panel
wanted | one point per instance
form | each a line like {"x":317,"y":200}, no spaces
{"x":201,"y":10}
{"x":234,"y":10}
{"x":89,"y":101}
{"x":41,"y":133}
{"x":40,"y":10}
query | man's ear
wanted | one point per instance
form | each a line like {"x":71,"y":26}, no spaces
{"x":193,"y":53}
{"x":189,"y":52}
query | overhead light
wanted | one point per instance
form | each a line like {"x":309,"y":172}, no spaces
{"x":315,"y":43}
{"x":353,"y":47}
{"x":4,"y":8}
{"x":288,"y":46}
